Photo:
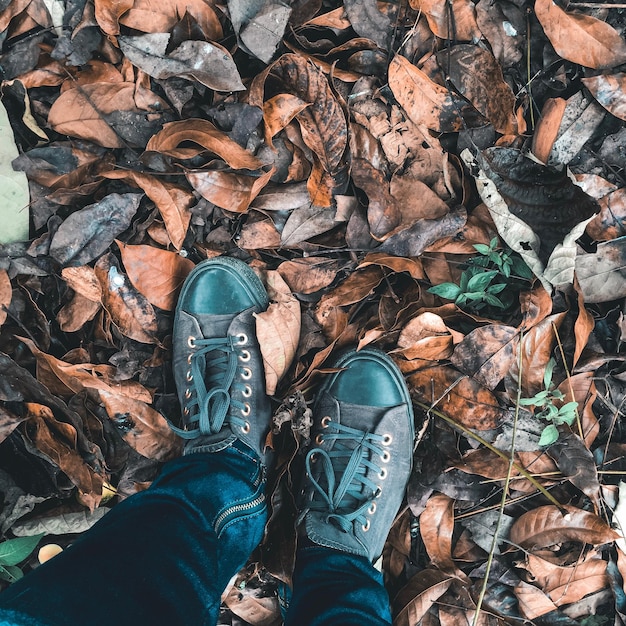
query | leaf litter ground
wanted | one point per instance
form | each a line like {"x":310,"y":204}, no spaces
{"x":441,"y":179}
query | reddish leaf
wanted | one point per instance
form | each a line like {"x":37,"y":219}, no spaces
{"x":173,"y":141}
{"x":581,"y":38}
{"x":130,"y":311}
{"x":462,"y":398}
{"x":279,"y":111}
{"x":425,"y":337}
{"x":83,"y":280}
{"x":454,"y":20}
{"x":157,"y":274}
{"x":418,"y":595}
{"x":108,"y":13}
{"x":533,"y":602}
{"x":436,"y":529}
{"x":610,"y":91}
{"x":547,"y":525}
{"x":142,"y":427}
{"x":610,"y":223}
{"x":6,"y":294}
{"x":424,"y":102}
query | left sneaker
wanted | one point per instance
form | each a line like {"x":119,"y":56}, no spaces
{"x":217,"y":362}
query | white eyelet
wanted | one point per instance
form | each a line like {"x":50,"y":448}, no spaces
{"x":245,"y":429}
{"x":242,"y":339}
{"x":313,"y":458}
{"x":319,"y":440}
{"x":387,"y":439}
{"x":189,"y":376}
{"x":366,"y":526}
{"x":326,"y":421}
{"x":186,"y":411}
{"x":191,"y":341}
{"x":385,"y":457}
{"x":244,"y":357}
{"x":187,"y":393}
{"x":247,"y":391}
{"x":383,"y":473}
{"x":246,"y":373}
{"x":246,"y":409}
{"x":372,"y":508}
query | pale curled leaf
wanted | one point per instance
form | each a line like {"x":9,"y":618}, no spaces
{"x":208,"y":63}
{"x":278,"y":330}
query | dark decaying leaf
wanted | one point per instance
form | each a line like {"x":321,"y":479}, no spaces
{"x":601,"y":274}
{"x":368,"y":21}
{"x":419,"y":594}
{"x":323,"y":125}
{"x":544,"y":198}
{"x":208,"y":63}
{"x":87,"y":233}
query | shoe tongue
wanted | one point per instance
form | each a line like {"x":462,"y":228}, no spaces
{"x":351,"y":414}
{"x":213,"y":325}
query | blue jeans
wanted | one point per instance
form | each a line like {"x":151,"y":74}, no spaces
{"x":165,"y":555}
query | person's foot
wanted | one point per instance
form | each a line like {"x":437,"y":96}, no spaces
{"x":217,"y":363}
{"x":357,"y":471}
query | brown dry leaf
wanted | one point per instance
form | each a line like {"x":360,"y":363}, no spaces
{"x":450,"y":20}
{"x":397,"y":264}
{"x":425,"y":102}
{"x":76,"y":313}
{"x":547,"y":525}
{"x":232,"y":192}
{"x":533,"y":603}
{"x":415,"y":200}
{"x":460,"y":397}
{"x":535,"y":306}
{"x":89,"y":112}
{"x":487,"y":353}
{"x":174,"y":138}
{"x":601,"y":274}
{"x":108,"y":13}
{"x":309,"y":274}
{"x":6,"y":294}
{"x":610,"y":91}
{"x":426,"y":336}
{"x":278,"y":330}
{"x":67,"y":379}
{"x":157,"y":274}
{"x":172,"y":201}
{"x":582,"y":389}
{"x":143,"y":428}
{"x":548,"y":127}
{"x":477,"y":75}
{"x":583,"y":327}
{"x":57,"y":442}
{"x":436,"y":529}
{"x":536,"y":346}
{"x":129,"y":310}
{"x":418,"y":595}
{"x":147,"y":17}
{"x":580,"y":38}
{"x":83,"y":280}
{"x":323,"y":125}
{"x":259,"y":235}
{"x":279,"y":111}
{"x":308,"y":221}
{"x":610,"y":223}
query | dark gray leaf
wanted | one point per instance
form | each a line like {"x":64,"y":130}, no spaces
{"x":87,"y":233}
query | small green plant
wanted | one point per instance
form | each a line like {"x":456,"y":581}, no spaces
{"x":545,"y":402}
{"x":13,"y":552}
{"x":491,"y":279}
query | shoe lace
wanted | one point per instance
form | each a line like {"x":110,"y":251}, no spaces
{"x":208,"y":402}
{"x":345,"y":501}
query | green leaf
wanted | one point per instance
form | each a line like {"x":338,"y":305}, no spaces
{"x":10,"y":573}
{"x":549,"y":435}
{"x":527,"y":401}
{"x":497,"y":288}
{"x":446,"y":290}
{"x":494,"y":301}
{"x":480,"y":281}
{"x":547,"y":375}
{"x":482,"y":248}
{"x":14,"y":551}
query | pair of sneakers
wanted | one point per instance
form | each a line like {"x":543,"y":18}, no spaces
{"x":360,"y":457}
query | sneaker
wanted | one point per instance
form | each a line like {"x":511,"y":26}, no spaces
{"x":217,"y":363}
{"x":357,"y":471}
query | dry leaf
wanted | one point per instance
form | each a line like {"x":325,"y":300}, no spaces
{"x":547,"y":525}
{"x":436,"y":529}
{"x":581,"y":38}
{"x":278,"y":330}
{"x":6,"y":294}
{"x":450,"y":20}
{"x":418,"y":595}
{"x":157,"y":274}
{"x":609,"y":91}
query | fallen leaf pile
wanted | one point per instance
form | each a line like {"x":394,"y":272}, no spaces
{"x":441,"y":179}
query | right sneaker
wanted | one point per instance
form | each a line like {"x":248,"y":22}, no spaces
{"x":356,"y":473}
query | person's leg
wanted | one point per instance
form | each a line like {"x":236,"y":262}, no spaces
{"x":165,"y":555}
{"x":353,"y":485}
